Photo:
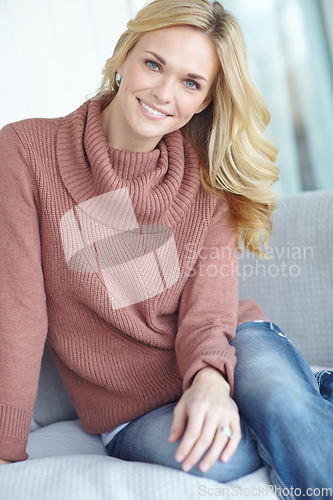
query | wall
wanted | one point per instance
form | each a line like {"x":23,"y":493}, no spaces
{"x":53,"y":52}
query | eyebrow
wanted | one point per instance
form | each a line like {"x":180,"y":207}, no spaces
{"x":195,"y":76}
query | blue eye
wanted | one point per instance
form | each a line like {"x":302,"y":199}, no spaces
{"x":152,"y":65}
{"x":190,"y":84}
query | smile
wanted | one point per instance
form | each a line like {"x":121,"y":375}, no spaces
{"x":152,"y":110}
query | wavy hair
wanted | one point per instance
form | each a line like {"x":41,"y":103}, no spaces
{"x":237,"y":158}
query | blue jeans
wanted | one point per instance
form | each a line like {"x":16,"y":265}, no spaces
{"x":286,"y":424}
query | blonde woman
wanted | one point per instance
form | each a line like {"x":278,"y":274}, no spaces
{"x":120,"y":225}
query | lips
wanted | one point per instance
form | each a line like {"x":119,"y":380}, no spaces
{"x":158,"y":113}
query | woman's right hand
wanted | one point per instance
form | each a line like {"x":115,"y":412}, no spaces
{"x":4,"y":462}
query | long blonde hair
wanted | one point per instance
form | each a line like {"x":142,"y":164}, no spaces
{"x":237,"y":159}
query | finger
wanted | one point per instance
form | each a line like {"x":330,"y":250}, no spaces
{"x":221,"y":443}
{"x":191,"y":435}
{"x":178,"y":422}
{"x":232,"y":443}
{"x":202,"y":444}
{"x":214,"y":452}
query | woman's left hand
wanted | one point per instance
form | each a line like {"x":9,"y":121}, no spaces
{"x":202,"y":410}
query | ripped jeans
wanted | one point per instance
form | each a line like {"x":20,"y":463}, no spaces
{"x":286,"y":423}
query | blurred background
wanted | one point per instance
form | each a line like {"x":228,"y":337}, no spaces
{"x":53,"y":51}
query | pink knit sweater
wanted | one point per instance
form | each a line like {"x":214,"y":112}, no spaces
{"x":122,"y":260}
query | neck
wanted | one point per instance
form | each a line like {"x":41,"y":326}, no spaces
{"x":119,"y":137}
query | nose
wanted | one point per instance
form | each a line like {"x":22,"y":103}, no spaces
{"x":163,"y":90}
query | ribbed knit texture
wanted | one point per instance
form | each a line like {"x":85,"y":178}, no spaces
{"x":122,"y":259}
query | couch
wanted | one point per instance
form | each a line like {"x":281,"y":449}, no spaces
{"x":294,"y":288}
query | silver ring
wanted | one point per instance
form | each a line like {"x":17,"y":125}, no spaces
{"x":227,"y":431}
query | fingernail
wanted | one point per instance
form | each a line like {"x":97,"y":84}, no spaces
{"x":186,"y":467}
{"x":226,"y":458}
{"x":180,"y":458}
{"x":204,"y":467}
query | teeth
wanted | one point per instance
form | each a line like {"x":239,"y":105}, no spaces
{"x":151,"y":110}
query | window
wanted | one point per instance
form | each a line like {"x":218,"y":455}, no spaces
{"x":289,"y":54}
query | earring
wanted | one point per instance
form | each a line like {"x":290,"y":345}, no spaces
{"x":118,"y":80}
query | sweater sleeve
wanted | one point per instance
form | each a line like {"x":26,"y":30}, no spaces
{"x":23,"y":318}
{"x":209,"y":305}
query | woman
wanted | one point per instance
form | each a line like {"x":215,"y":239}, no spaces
{"x":112,"y":220}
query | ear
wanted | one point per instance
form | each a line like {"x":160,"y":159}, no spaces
{"x":204,"y":104}
{"x":119,"y":70}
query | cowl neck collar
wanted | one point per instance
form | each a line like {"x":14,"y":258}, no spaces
{"x":161,"y":184}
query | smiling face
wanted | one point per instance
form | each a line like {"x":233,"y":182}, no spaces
{"x":166,"y":79}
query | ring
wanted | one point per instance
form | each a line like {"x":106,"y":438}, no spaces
{"x":227,"y":431}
